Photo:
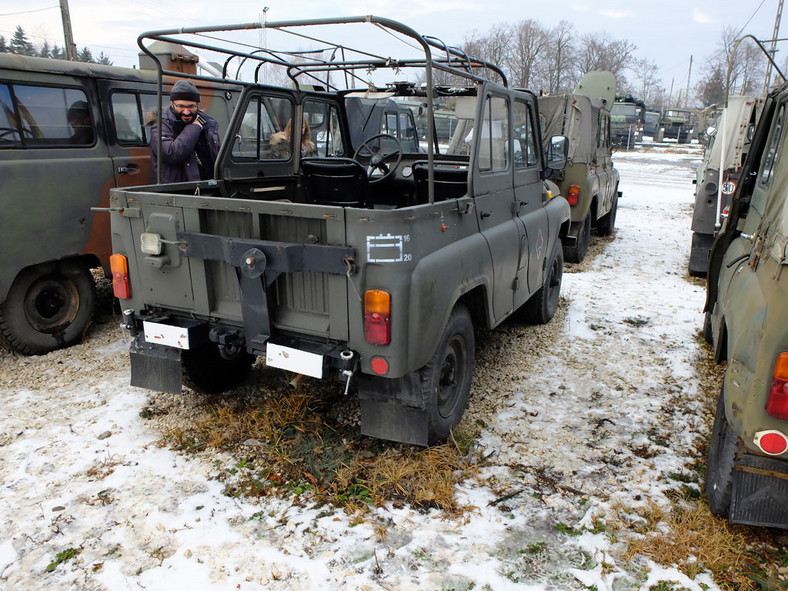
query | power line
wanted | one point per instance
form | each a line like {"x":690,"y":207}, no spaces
{"x":29,"y":11}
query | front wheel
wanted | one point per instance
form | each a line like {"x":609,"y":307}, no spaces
{"x":446,"y":379}
{"x":607,"y":224}
{"x":576,"y":253}
{"x":48,"y":307}
{"x":721,"y":459}
{"x":541,"y":307}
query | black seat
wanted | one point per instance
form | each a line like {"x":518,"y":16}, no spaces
{"x":450,"y":180}
{"x":336,"y":181}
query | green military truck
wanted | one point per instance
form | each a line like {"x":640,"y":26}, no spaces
{"x":747,"y":322}
{"x":69,"y":131}
{"x":728,"y":146}
{"x":676,"y":124}
{"x":369,"y":261}
{"x":589,"y":181}
{"x":626,"y":121}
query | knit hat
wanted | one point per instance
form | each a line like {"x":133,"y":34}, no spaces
{"x":184,"y":91}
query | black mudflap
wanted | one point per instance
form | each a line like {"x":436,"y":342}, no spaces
{"x":156,"y":368}
{"x":760,"y":492}
{"x":393,"y":409}
{"x":699,"y":254}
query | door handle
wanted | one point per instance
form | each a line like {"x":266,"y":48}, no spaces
{"x":485,"y":214}
{"x":128,"y":169}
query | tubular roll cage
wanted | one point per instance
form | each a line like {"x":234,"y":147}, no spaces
{"x":302,"y":64}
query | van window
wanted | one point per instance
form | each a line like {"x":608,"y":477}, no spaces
{"x":45,"y":116}
{"x":266,"y":130}
{"x":130,"y":112}
{"x":324,"y":128}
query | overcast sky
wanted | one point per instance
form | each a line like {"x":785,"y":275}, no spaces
{"x":666,"y":32}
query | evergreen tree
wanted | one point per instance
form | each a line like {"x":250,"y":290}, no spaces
{"x":20,"y":44}
{"x":57,"y":52}
{"x":103,"y":59}
{"x":3,"y":46}
{"x":85,"y":55}
{"x":44,"y":51}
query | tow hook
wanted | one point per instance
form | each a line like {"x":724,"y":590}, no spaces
{"x":127,"y":326}
{"x":348,"y":365}
{"x":230,"y":342}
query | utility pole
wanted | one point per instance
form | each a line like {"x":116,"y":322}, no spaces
{"x":71,"y":49}
{"x":686,"y":95}
{"x":773,"y":48}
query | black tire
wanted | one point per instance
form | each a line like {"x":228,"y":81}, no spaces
{"x":708,"y":335}
{"x":721,"y":459}
{"x":607,"y":224}
{"x":446,"y":379}
{"x":205,"y":370}
{"x":576,"y":253}
{"x":541,"y":307}
{"x":48,"y":307}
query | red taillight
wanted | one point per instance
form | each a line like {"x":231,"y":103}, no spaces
{"x":777,"y":403}
{"x":377,"y":321}
{"x":574,"y":194}
{"x":120,"y":276}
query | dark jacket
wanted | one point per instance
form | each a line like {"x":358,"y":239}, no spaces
{"x":188,"y":153}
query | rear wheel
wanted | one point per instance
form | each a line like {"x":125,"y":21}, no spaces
{"x":446,"y":379}
{"x":205,"y":370}
{"x":542,"y":306}
{"x":48,"y":307}
{"x":576,"y":253}
{"x":721,"y":460}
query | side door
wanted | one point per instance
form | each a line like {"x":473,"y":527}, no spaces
{"x":493,"y":190}
{"x":54,"y":165}
{"x":604,"y":165}
{"x":529,"y":198}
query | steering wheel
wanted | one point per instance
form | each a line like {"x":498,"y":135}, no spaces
{"x":376,"y":156}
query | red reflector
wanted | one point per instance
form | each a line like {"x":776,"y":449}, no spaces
{"x":574,"y":194}
{"x":379,"y":365}
{"x":771,"y":442}
{"x":120,"y":276}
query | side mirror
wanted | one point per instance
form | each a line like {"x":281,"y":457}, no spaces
{"x":557,"y":152}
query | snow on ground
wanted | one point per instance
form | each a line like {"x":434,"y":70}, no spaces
{"x":595,"y":422}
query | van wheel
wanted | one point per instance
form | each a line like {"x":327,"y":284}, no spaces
{"x":576,"y":253}
{"x":48,"y":307}
{"x":607,"y":224}
{"x":446,"y":379}
{"x":205,"y":370}
{"x":721,"y":459}
{"x":541,"y":307}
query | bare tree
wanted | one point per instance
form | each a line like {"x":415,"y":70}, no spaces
{"x":646,"y":73}
{"x":559,"y":58}
{"x":600,"y":52}
{"x":528,"y":44}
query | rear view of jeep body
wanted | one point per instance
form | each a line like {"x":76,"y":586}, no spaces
{"x":336,"y":243}
{"x":589,"y":180}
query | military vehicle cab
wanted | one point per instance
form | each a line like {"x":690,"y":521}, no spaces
{"x":747,"y":322}
{"x":678,"y":124}
{"x":69,"y":131}
{"x":338,"y":251}
{"x":589,"y":181}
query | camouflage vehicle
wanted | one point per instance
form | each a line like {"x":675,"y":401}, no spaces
{"x":747,"y":321}
{"x":370,"y":262}
{"x":69,"y":131}
{"x":676,"y":124}
{"x":589,"y":181}
{"x":626,"y":121}
{"x":726,"y":151}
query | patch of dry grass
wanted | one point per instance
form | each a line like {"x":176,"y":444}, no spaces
{"x":287,"y":444}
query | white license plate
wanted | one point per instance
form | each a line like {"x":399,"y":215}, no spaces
{"x":166,"y":334}
{"x":309,"y":364}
